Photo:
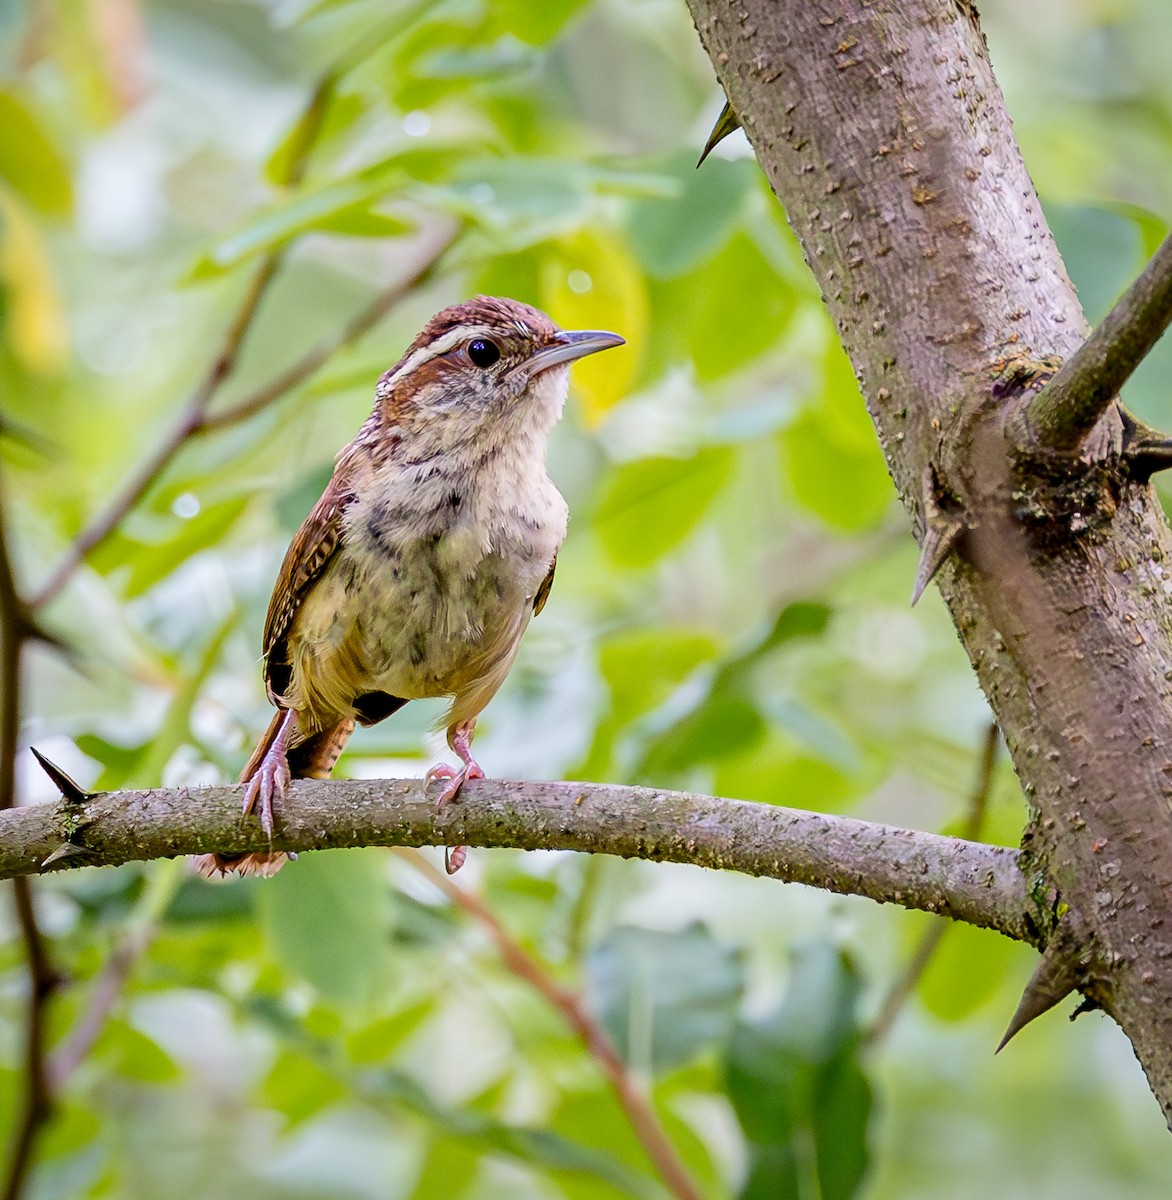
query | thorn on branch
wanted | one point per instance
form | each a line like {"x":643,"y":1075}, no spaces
{"x":728,"y":122}
{"x":942,"y":530}
{"x":69,"y":788}
{"x":1054,"y":978}
{"x":1145,"y":450}
{"x":65,"y":850}
{"x":939,"y":539}
{"x":1086,"y":1005}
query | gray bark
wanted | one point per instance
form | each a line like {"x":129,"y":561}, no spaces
{"x":883,"y":132}
{"x":965,"y":880}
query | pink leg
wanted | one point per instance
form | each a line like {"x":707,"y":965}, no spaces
{"x":460,"y":740}
{"x":270,"y":780}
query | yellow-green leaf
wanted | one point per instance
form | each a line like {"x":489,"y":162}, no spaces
{"x":591,"y":281}
{"x":33,"y":314}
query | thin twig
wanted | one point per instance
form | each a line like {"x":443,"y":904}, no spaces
{"x":190,"y":419}
{"x":196,"y":420}
{"x":313,"y":360}
{"x":152,"y":467}
{"x":137,"y":935}
{"x":913,"y":972}
{"x":631,"y":1097}
{"x":1070,"y":405}
{"x":15,"y":628}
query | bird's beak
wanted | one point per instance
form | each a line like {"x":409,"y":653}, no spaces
{"x":566,"y":347}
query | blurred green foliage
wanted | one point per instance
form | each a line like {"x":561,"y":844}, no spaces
{"x":730,"y":614}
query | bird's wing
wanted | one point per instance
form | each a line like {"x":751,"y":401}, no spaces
{"x":546,"y":587}
{"x":311,"y":548}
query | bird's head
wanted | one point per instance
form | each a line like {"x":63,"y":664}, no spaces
{"x":484,"y":372}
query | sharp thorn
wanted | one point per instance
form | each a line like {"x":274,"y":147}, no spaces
{"x":1054,"y":978}
{"x":69,"y":788}
{"x":939,"y":539}
{"x":1145,"y":449}
{"x":728,"y":122}
{"x":65,"y":850}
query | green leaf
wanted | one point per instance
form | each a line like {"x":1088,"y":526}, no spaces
{"x":30,"y":161}
{"x":832,"y":457}
{"x":777,"y":772}
{"x":649,"y":507}
{"x":326,"y":918}
{"x":798,"y":1090}
{"x":132,"y":1055}
{"x":739,"y":288}
{"x":534,"y":24}
{"x":299,"y":1087}
{"x":665,"y":997}
{"x":673,"y":235}
{"x":119,"y":763}
{"x":1102,"y":251}
{"x":725,"y":724}
{"x":537,"y":1147}
{"x":293,"y":505}
{"x":324,"y":117}
{"x":967,"y":969}
{"x":152,"y":563}
{"x":626,"y":657}
{"x":343,"y":208}
{"x":376,"y":1042}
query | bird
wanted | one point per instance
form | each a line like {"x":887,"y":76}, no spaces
{"x":432,"y":547}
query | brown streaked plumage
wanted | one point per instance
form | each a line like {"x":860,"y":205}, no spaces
{"x":432,"y":547}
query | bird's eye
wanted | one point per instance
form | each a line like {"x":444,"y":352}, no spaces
{"x":482,"y":352}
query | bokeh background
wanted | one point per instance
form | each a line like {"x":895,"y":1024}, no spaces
{"x":730,"y":613}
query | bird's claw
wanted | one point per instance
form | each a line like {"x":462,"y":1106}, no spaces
{"x":269,"y":783}
{"x":454,"y":856}
{"x":456,"y":779}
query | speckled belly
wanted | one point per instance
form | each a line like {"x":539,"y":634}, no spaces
{"x":426,"y":620}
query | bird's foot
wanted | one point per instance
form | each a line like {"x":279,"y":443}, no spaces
{"x":454,"y":856}
{"x":456,"y":779}
{"x":269,"y":782}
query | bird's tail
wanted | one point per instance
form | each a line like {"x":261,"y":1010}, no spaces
{"x":310,"y":758}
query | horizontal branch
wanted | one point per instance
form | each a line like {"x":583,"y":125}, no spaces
{"x":967,"y":881}
{"x":1070,"y":405}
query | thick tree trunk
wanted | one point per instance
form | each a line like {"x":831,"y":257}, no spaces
{"x":884,"y":134}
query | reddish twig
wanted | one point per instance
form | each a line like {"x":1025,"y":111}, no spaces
{"x":15,"y":628}
{"x":630,"y":1096}
{"x":913,"y":972}
{"x":139,"y":932}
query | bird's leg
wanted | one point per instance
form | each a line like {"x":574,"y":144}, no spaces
{"x":270,"y":780}
{"x":460,"y":740}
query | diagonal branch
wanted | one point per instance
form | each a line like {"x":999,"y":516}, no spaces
{"x":152,"y":467}
{"x":963,"y":880}
{"x":635,"y":1103}
{"x":314,"y":359}
{"x":196,"y":419}
{"x":1070,"y":405}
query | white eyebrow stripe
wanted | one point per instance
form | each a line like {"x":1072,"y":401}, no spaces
{"x":440,"y":346}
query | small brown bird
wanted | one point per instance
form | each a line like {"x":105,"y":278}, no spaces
{"x":418,"y":570}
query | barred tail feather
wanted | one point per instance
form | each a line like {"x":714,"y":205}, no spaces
{"x":259,"y":863}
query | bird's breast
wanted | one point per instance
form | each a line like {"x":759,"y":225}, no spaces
{"x":433,"y":584}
